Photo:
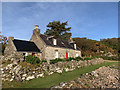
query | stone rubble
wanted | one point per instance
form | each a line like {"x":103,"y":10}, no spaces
{"x":104,"y":77}
{"x":18,"y":72}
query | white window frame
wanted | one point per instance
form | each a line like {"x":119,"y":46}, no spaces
{"x":74,"y":46}
{"x":77,"y":54}
{"x":26,"y":54}
{"x":54,"y":42}
{"x":68,"y":54}
{"x":56,"y":54}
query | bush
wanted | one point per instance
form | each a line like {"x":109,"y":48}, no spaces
{"x":63,"y":60}
{"x":78,"y":58}
{"x":110,"y":58}
{"x":32,"y":59}
{"x":43,"y":61}
{"x":96,"y":57}
{"x":56,"y":60}
{"x":70,"y":58}
{"x":88,"y":58}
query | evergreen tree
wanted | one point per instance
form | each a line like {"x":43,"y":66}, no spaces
{"x":58,"y":30}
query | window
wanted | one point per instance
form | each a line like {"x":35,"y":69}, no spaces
{"x":26,"y":54}
{"x":74,"y":46}
{"x":54,"y":42}
{"x":77,"y":55}
{"x":56,"y":53}
{"x":68,"y":54}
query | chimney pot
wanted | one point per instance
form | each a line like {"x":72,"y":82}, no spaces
{"x":36,"y":30}
{"x":36,"y":26}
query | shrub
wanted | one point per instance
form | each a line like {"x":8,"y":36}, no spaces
{"x":43,"y":61}
{"x":88,"y":58}
{"x":110,"y":58}
{"x":56,"y":60}
{"x":78,"y":58}
{"x":70,"y":58}
{"x":32,"y":59}
{"x":96,"y":57}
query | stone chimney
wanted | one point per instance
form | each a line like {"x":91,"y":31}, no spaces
{"x":10,"y":38}
{"x":36,"y":30}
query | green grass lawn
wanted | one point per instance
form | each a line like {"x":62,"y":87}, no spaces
{"x":55,"y":78}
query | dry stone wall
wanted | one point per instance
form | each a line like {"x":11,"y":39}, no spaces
{"x":22,"y":71}
{"x":17,"y":56}
{"x":104,"y":77}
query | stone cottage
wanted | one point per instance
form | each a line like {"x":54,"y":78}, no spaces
{"x":43,"y":46}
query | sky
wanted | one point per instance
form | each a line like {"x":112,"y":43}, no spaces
{"x":94,"y":20}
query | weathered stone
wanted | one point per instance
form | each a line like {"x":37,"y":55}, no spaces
{"x":62,"y":84}
{"x":33,"y":71}
{"x":23,"y":78}
{"x":15,"y":62}
{"x":40,"y":75}
{"x":24,"y":75}
{"x":11,"y":79}
{"x":2,"y":72}
{"x":18,"y":79}
{"x":30,"y":77}
{"x":50,"y":73}
{"x":59,"y":71}
{"x":17,"y":69}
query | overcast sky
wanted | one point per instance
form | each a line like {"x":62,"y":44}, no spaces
{"x":92,"y":20}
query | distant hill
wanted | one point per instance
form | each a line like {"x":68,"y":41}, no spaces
{"x":111,"y":42}
{"x":97,"y":48}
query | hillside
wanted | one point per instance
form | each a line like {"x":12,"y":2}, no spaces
{"x":97,"y":48}
{"x":111,"y":42}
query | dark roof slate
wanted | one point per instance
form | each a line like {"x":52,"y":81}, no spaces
{"x":25,"y":46}
{"x":60,"y":43}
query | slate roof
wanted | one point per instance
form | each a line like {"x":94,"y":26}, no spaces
{"x":25,"y":46}
{"x":60,"y":43}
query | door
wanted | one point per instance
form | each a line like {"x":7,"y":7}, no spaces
{"x":66,"y":55}
{"x":33,"y":54}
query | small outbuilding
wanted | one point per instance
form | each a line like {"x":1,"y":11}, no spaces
{"x":20,"y":48}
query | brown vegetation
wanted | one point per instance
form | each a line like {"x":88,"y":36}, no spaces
{"x":96,"y":48}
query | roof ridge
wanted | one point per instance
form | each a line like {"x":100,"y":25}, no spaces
{"x":53,"y":37}
{"x":59,"y":42}
{"x":23,"y":40}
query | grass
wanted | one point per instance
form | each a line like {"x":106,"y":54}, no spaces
{"x":115,"y":66}
{"x":55,"y":78}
